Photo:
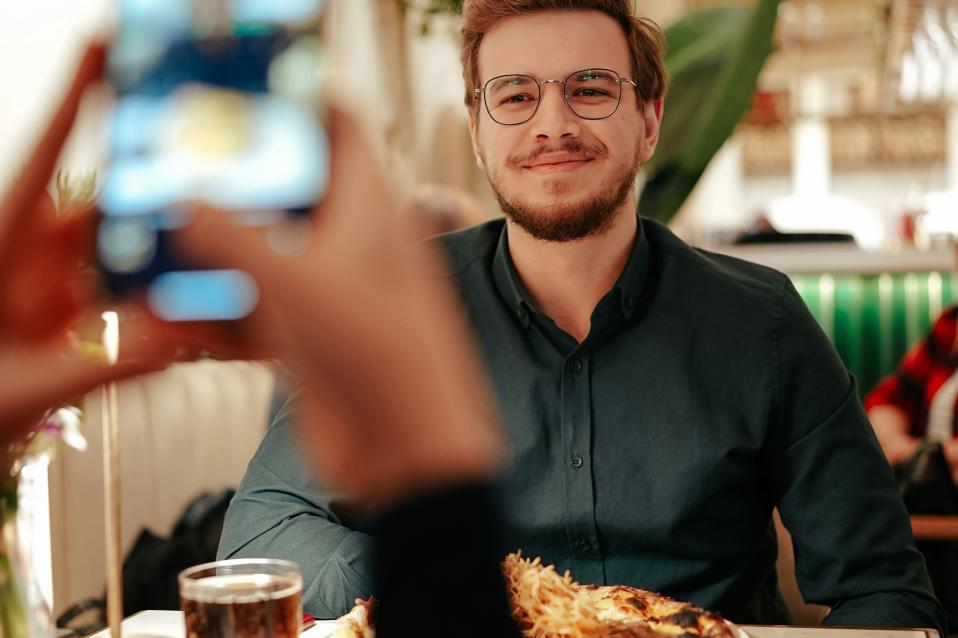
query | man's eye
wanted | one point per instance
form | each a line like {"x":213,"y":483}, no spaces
{"x":591,"y":92}
{"x":518,"y":98}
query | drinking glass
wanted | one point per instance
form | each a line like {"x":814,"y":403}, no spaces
{"x":242,"y":598}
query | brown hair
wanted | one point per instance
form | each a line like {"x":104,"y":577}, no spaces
{"x":644,"y":37}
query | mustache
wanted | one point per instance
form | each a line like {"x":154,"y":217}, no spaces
{"x":570,"y":145}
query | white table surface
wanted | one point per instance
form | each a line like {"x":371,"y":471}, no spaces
{"x":169,"y":624}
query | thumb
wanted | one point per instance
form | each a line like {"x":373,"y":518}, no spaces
{"x":213,"y":239}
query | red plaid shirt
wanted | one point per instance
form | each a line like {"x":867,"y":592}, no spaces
{"x":922,"y":371}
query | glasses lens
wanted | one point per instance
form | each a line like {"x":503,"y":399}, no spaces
{"x":512,"y":99}
{"x":593,"y":93}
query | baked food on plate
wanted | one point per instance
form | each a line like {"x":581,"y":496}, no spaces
{"x":547,"y":605}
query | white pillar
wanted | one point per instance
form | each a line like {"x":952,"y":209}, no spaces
{"x":952,"y":147}
{"x":811,"y":155}
{"x":716,"y":202}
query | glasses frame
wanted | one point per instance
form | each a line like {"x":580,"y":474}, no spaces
{"x":565,"y":94}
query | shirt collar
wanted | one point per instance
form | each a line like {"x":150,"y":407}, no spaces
{"x":629,"y":285}
{"x":508,"y":282}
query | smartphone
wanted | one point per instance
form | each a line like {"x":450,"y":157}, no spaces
{"x":216,"y":101}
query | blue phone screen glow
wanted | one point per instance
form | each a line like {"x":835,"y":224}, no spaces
{"x":216,"y":102}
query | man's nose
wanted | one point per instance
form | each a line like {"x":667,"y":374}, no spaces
{"x":554,"y":119}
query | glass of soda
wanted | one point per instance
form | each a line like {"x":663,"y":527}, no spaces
{"x":242,"y":598}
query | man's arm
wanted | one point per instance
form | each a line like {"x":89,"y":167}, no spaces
{"x":854,"y":550}
{"x":279,"y":512}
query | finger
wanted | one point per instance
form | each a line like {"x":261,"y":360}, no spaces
{"x":359,"y":189}
{"x":35,"y":379}
{"x":75,"y":232}
{"x":242,"y":340}
{"x":223,"y":340}
{"x":44,"y":290}
{"x":213,"y":240}
{"x":17,"y":205}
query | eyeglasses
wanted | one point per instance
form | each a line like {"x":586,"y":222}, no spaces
{"x":592,"y":94}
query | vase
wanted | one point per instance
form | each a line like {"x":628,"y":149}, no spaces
{"x":24,"y":612}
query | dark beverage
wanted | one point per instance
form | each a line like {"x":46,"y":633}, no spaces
{"x":218,"y":602}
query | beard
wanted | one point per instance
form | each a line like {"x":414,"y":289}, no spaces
{"x":568,"y":221}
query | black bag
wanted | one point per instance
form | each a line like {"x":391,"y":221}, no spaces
{"x":928,"y":488}
{"x":152,"y":564}
{"x":926,"y":483}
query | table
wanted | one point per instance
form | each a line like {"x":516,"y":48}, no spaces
{"x":169,"y":624}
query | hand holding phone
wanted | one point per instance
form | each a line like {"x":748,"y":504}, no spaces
{"x":217,"y":102}
{"x":392,"y":397}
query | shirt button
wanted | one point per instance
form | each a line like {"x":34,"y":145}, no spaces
{"x":583,"y":545}
{"x":575,"y":461}
{"x":575,"y":365}
{"x":521,"y":314}
{"x":629,"y":301}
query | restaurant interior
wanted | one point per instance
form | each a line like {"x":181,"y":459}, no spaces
{"x":840,"y":170}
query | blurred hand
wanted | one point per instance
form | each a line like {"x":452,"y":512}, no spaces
{"x":891,"y":426}
{"x":950,"y":448}
{"x":43,"y":290}
{"x":392,"y":393}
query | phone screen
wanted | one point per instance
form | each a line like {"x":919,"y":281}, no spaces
{"x":217,"y":101}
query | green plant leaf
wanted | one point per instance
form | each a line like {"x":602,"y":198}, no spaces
{"x":714,"y":58}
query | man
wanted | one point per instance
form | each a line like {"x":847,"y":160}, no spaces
{"x":659,"y":401}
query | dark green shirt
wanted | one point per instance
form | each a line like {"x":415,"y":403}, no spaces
{"x":652,"y":453}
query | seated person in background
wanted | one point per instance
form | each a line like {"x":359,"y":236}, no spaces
{"x":659,"y":401}
{"x":919,"y":400}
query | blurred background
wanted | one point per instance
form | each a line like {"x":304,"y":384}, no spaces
{"x":835,"y":160}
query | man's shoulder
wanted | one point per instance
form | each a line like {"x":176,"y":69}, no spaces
{"x":722,"y":273}
{"x":476,"y":244}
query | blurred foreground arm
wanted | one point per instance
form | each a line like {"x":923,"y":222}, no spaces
{"x":394,"y":405}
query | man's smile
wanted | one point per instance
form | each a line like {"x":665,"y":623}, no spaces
{"x":558,"y":162}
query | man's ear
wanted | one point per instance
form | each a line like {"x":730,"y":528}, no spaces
{"x":652,"y":112}
{"x":474,"y":136}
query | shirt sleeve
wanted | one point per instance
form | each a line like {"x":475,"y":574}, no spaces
{"x":854,"y":550}
{"x":280,"y":512}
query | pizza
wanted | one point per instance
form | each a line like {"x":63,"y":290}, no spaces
{"x":663,"y":615}
{"x":547,"y":605}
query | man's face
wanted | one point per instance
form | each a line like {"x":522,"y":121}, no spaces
{"x":558,"y":176}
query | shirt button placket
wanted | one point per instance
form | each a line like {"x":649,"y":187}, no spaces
{"x":576,"y":418}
